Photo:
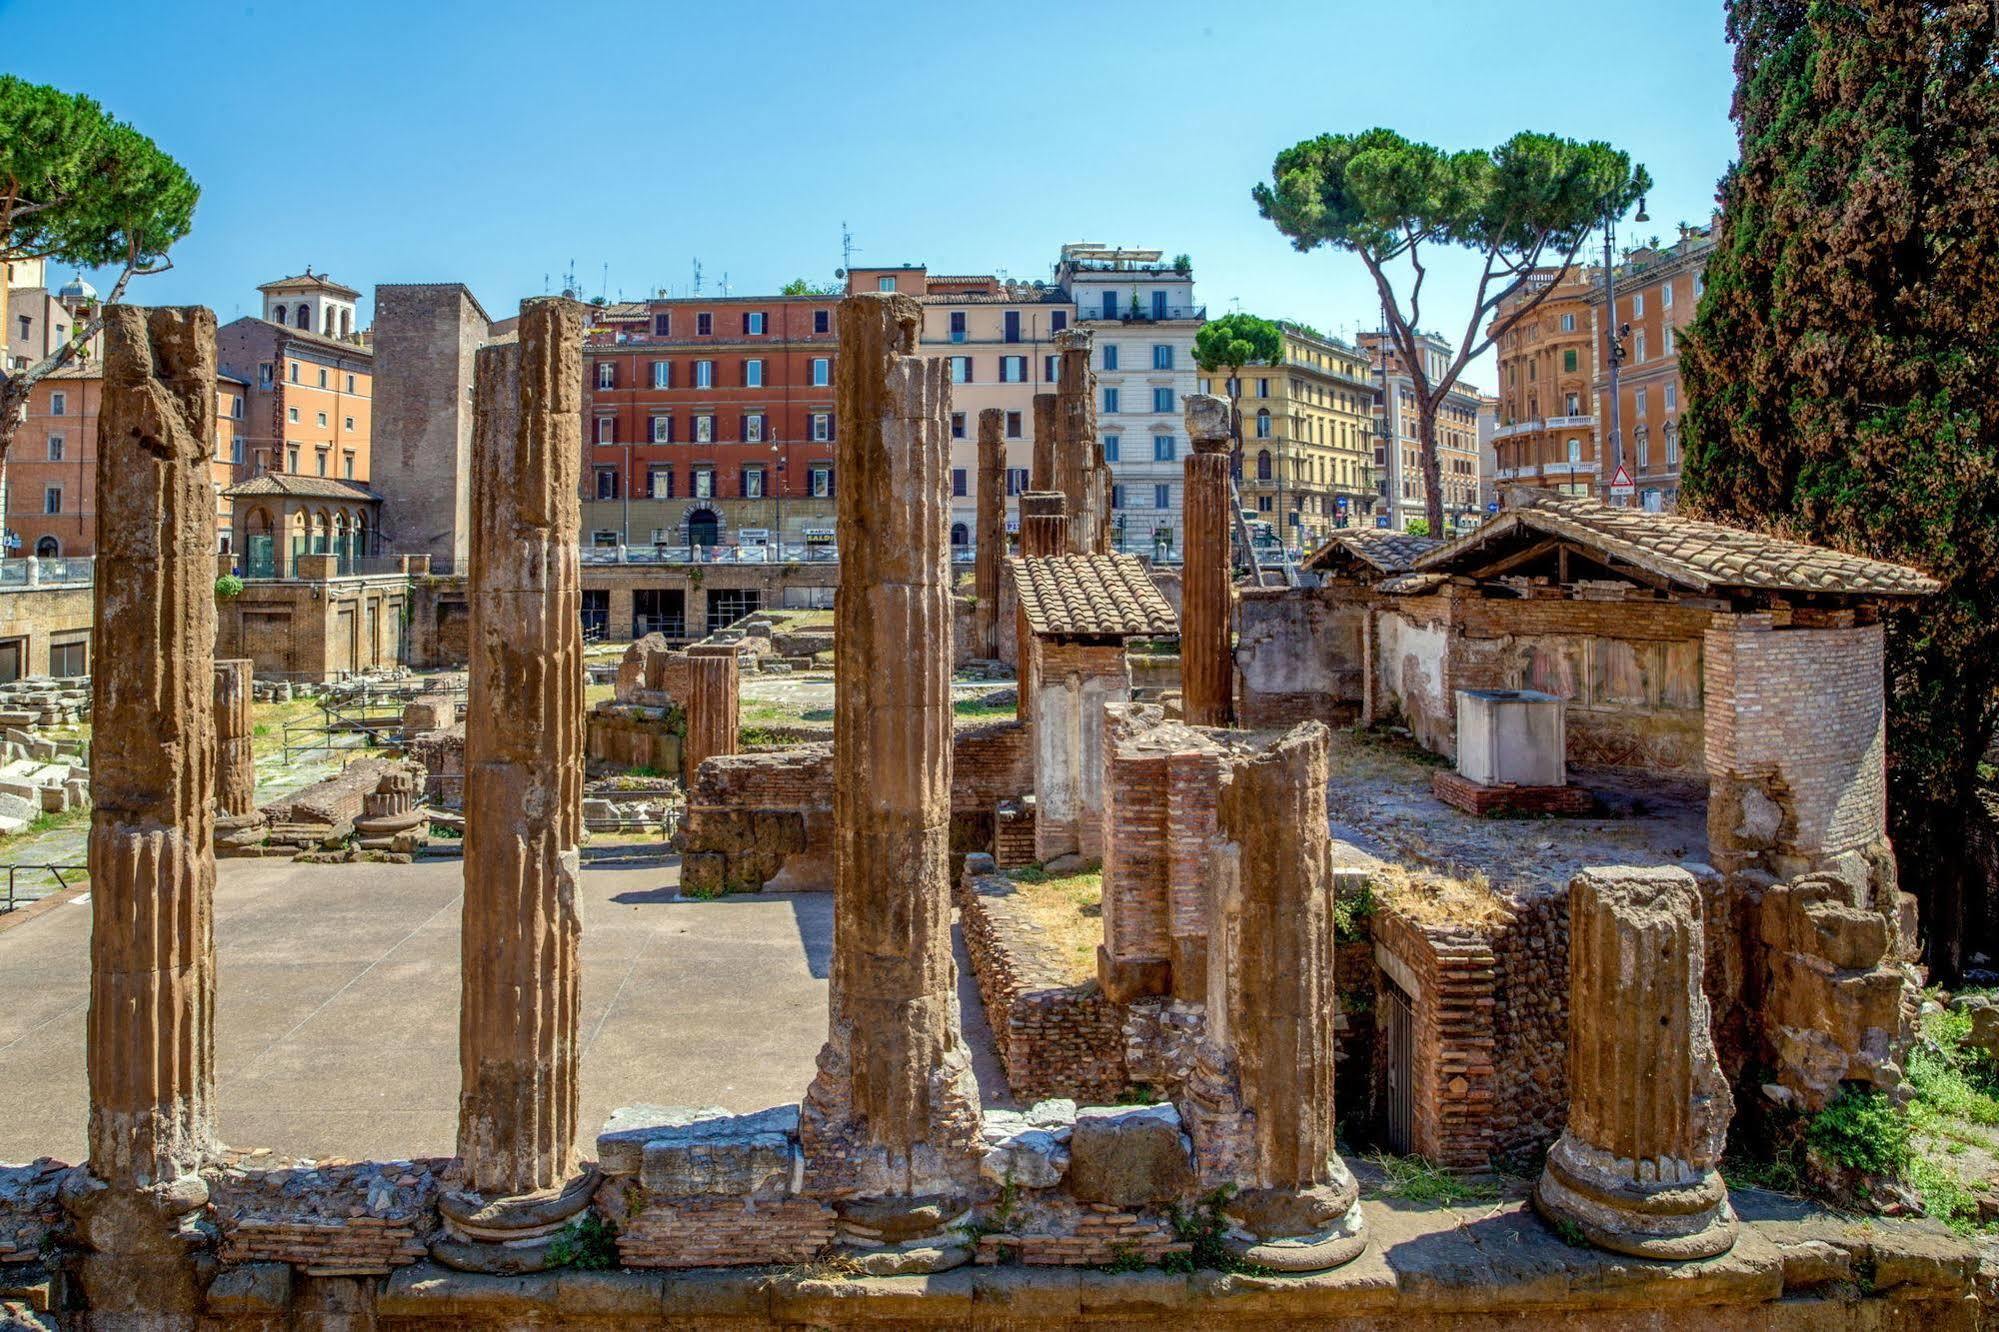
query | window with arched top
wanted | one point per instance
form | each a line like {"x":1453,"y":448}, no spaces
{"x":1263,"y":423}
{"x":48,"y":548}
{"x":279,"y":314}
{"x":960,"y":536}
{"x":1263,"y":464}
{"x":305,"y":318}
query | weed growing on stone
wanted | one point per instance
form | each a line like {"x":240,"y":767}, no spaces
{"x":1125,"y":1257}
{"x":1571,"y":1234}
{"x":1862,"y":1131}
{"x":1416,"y":1180}
{"x":586,"y":1243}
{"x":1350,"y":912}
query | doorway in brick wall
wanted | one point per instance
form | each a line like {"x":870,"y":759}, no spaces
{"x":1398,"y":1102}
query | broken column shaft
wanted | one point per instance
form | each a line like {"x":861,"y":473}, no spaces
{"x":1207,"y":666}
{"x":1261,"y":1098}
{"x":523,"y":789}
{"x":1648,"y":1106}
{"x":991,"y":553}
{"x":1075,"y":461}
{"x":714,"y":687}
{"x":1041,"y":475}
{"x":1044,"y":524}
{"x":150,"y":1040}
{"x":239,"y":824}
{"x":894,"y":1112}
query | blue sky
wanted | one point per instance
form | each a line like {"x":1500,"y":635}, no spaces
{"x":496,"y":143}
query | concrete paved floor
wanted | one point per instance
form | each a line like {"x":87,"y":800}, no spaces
{"x":337,"y":1006}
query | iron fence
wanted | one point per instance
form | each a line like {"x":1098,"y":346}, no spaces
{"x":62,"y":876}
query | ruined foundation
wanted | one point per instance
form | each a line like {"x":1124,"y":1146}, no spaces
{"x":1648,"y":1106}
{"x":889,"y":1124}
{"x":523,"y":805}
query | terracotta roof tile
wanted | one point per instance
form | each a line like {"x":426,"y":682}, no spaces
{"x":1694,"y":554}
{"x":305,"y":487}
{"x":1091,"y":595}
{"x":1382,"y":549}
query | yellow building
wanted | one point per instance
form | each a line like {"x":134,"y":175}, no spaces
{"x":1308,"y":446}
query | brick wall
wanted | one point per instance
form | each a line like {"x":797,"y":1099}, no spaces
{"x":1796,"y":716}
{"x":1452,"y":1074}
{"x":318,"y":630}
{"x":1299,"y":654}
{"x":1071,"y":680}
{"x":1053,"y":1037}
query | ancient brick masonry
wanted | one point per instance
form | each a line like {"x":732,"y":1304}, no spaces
{"x":150,"y":1042}
{"x":1207,"y":670}
{"x":991,"y":551}
{"x":1648,"y":1106}
{"x":1260,"y":1102}
{"x":523,"y":796}
{"x":890,"y":1123}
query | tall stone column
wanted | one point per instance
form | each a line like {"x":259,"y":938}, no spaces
{"x":890,"y":1124}
{"x":1260,"y":1100}
{"x":1207,"y":664}
{"x":714,"y":709}
{"x":239,"y":824}
{"x":1044,"y":523}
{"x":1041,"y":474}
{"x":150,"y":1040}
{"x":1076,"y":448}
{"x":992,"y":527}
{"x":517,"y":1022}
{"x":1648,"y":1106}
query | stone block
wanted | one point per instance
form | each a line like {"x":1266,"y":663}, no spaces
{"x":1021,"y":1151}
{"x":1511,"y":736}
{"x":688,"y":1152}
{"x":1129,"y":1155}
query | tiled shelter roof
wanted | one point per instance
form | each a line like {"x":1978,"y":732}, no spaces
{"x":1703,"y":556}
{"x":300,"y":487}
{"x":1091,"y":596}
{"x":1380,"y":548}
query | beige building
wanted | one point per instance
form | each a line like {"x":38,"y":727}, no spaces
{"x":1308,"y":437}
{"x":1657,"y":291}
{"x":999,"y":336}
{"x":1398,"y":462}
{"x":1546,"y":435}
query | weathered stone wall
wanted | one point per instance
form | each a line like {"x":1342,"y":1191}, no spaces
{"x":1412,"y":669}
{"x":1055,"y":1037}
{"x":425,"y":336}
{"x":1530,"y":1025}
{"x":1299,"y":651}
{"x":1072,"y":680}
{"x":36,"y":617}
{"x":316,"y":630}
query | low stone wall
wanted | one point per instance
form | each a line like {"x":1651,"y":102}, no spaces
{"x":1054,"y":1038}
{"x":631,"y":736}
{"x":354,"y":1219}
{"x":1530,"y":1025}
{"x":29,"y":1209}
{"x":334,"y":803}
{"x":442,"y":754}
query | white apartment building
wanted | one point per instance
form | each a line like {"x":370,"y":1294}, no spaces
{"x":1141,"y":312}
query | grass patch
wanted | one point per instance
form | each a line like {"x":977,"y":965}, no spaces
{"x":981,"y":710}
{"x":1416,"y":1180}
{"x":1068,"y":912}
{"x":1432,"y":898}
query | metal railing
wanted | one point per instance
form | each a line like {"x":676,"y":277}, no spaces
{"x":15,"y":897}
{"x":49,"y":571}
{"x":813,"y":553}
{"x":1141,"y":314}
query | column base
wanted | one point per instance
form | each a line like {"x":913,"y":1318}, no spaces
{"x":1297,"y":1230}
{"x":147,"y":1258}
{"x":240,"y":834}
{"x":510,"y":1235}
{"x":1678,"y":1220}
{"x":903,"y":1236}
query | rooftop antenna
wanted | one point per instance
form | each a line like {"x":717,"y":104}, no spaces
{"x":847,"y":248}
{"x":725,"y":283}
{"x":604,"y":286}
{"x":697,"y":277}
{"x":569,"y":287}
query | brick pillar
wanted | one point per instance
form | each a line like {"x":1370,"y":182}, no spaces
{"x":713,"y":710}
{"x":1041,"y":475}
{"x":1076,"y":463}
{"x":992,"y":527}
{"x":1648,"y":1106}
{"x":1207,"y":666}
{"x":1044,"y":524}
{"x":523,"y":802}
{"x":890,"y":1124}
{"x":238,"y":822}
{"x":150,"y":1041}
{"x":1260,"y":1099}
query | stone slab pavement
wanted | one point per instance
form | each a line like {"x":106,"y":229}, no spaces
{"x":337,"y":1006}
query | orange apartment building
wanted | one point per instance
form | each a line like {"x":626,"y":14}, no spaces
{"x":1546,"y":433}
{"x":1657,"y":290}
{"x":52,"y":469}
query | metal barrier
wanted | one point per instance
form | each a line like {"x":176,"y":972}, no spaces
{"x":16,"y":899}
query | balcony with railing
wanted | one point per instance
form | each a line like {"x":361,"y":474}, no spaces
{"x":1571,"y":423}
{"x":1144,"y":314}
{"x":1515,"y":428}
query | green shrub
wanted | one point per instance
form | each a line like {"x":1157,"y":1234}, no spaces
{"x":1862,"y":1130}
{"x":1351,"y":910}
{"x":585,"y":1243}
{"x":228,"y":587}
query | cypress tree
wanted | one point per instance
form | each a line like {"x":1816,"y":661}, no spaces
{"x":1842,"y":370}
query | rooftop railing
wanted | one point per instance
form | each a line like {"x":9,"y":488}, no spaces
{"x":47,"y":571}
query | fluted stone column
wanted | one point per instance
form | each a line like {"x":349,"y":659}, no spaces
{"x":239,"y":824}
{"x":1044,"y":523}
{"x":714,"y":708}
{"x":890,"y":1123}
{"x":992,"y":527}
{"x":1648,"y":1106}
{"x":1041,"y":474}
{"x":1076,"y":462}
{"x":150,"y":1039}
{"x":1207,"y":663}
{"x":1260,"y":1101}
{"x":523,"y":801}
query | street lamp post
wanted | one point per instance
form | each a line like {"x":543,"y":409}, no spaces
{"x":1614,"y":333}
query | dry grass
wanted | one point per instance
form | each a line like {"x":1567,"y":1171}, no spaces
{"x":1068,"y":910}
{"x":1430,"y":898}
